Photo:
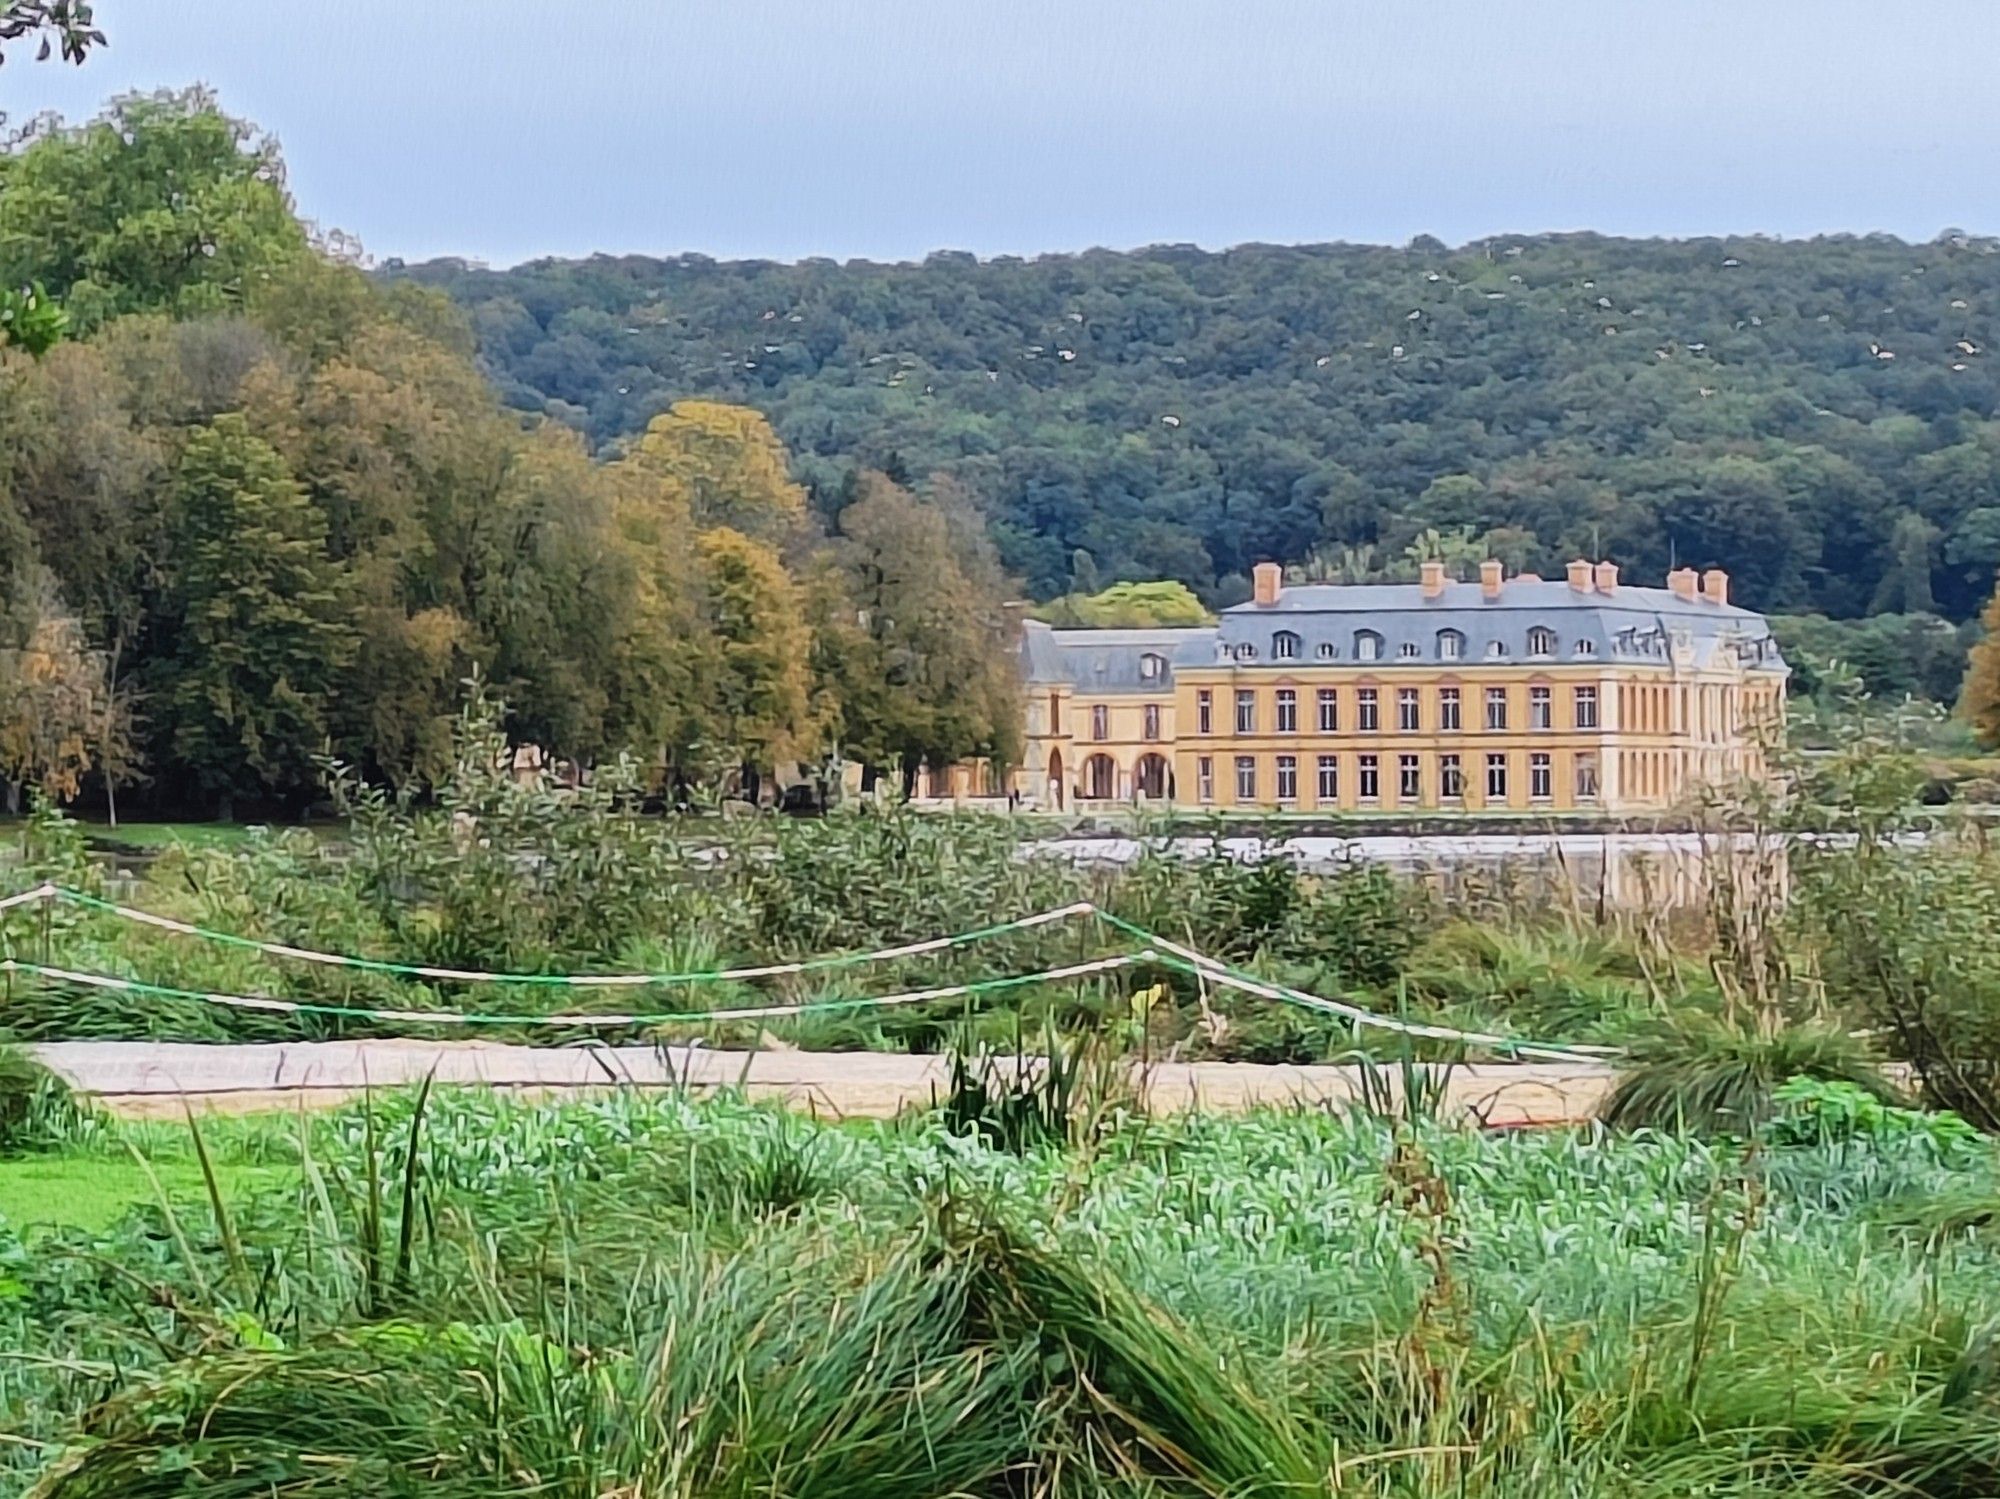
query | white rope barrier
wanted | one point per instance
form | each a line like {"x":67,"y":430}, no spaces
{"x":445,"y":1017}
{"x":1211,"y":969}
{"x":580,"y":981}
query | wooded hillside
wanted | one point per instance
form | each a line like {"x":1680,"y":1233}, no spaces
{"x":1817,"y":417}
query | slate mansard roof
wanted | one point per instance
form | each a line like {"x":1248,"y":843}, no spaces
{"x":1629,"y":626}
{"x":1111,"y":660}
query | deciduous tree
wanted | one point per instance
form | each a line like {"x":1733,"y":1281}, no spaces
{"x":1129,"y":606}
{"x":926,"y":672}
{"x":261,"y":620}
{"x":161,"y":202}
{"x":1979,"y":697}
{"x":758,"y":695}
{"x":728,"y":466}
{"x":60,"y":718}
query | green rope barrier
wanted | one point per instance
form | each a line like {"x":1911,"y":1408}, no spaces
{"x":451,"y":1017}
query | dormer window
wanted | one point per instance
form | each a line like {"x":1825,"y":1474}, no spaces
{"x":1409,"y":650}
{"x":1451,"y":645}
{"x":1367,"y":646}
{"x":1586,"y":647}
{"x":1284,"y":646}
{"x":1325,"y":650}
{"x":1496,"y":649}
{"x":1246,"y":652}
{"x":1152,"y":667}
{"x":1541,"y":641}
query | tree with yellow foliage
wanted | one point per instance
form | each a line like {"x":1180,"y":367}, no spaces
{"x":59,"y":718}
{"x":756,"y":683}
{"x":657,"y":658}
{"x":1979,"y":698}
{"x":1128,"y":606}
{"x":726,"y":465}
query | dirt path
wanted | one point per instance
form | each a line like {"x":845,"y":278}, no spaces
{"x":150,"y":1080}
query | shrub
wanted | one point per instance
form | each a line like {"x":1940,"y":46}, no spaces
{"x":1705,"y":1076}
{"x":1819,"y":1111}
{"x":36,"y":1109}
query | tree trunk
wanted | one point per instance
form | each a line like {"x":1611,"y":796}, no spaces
{"x":104,"y":754}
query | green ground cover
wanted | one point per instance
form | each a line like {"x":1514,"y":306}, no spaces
{"x":92,"y":1192}
{"x":646,"y":1296}
{"x":164,"y":834}
{"x":151,"y":835}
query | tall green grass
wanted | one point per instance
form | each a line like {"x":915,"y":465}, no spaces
{"x":645,"y":1296}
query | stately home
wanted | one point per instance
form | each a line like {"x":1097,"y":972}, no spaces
{"x":1509,"y":694}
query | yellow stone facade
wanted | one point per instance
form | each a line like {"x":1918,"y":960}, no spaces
{"x":1641,"y":697}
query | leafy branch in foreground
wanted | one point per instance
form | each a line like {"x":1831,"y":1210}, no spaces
{"x":62,"y":24}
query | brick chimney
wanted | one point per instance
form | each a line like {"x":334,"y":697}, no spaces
{"x":1490,"y":574}
{"x":1682,"y":581}
{"x":1607,"y":577}
{"x":1267,"y":581}
{"x":1715,"y":586}
{"x":1579,"y":575}
{"x":1433,"y":576}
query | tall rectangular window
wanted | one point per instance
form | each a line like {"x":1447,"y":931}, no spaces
{"x":1367,"y":710}
{"x":1152,"y":720}
{"x":1448,"y":719}
{"x":1538,"y":708}
{"x":1406,"y":709}
{"x":1541,"y":778}
{"x":1055,"y":714}
{"x":1586,"y":707}
{"x":1288,"y":778}
{"x":1329,"y":779}
{"x":1371,"y":778}
{"x":1329,"y":710}
{"x":1204,"y":711}
{"x":1496,"y":707}
{"x":1496,"y":778}
{"x":1246,"y":778}
{"x":1246,"y":711}
{"x":1288,"y":711}
{"x":1586,"y":777}
{"x":1100,"y":721}
{"x":1451,"y":779}
{"x":1408,"y":786}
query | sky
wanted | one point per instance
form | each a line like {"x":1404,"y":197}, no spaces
{"x":501,"y":130}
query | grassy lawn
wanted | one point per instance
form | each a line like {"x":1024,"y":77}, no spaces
{"x":93,"y":1191}
{"x":157,"y":835}
{"x":162,"y":834}
{"x":152,"y":834}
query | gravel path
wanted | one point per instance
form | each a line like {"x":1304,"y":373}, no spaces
{"x":149,"y":1079}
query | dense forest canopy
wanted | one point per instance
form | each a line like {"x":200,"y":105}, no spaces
{"x":1816,"y":416}
{"x":257,"y":509}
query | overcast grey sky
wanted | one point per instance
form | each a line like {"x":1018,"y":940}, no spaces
{"x":504,"y":129}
